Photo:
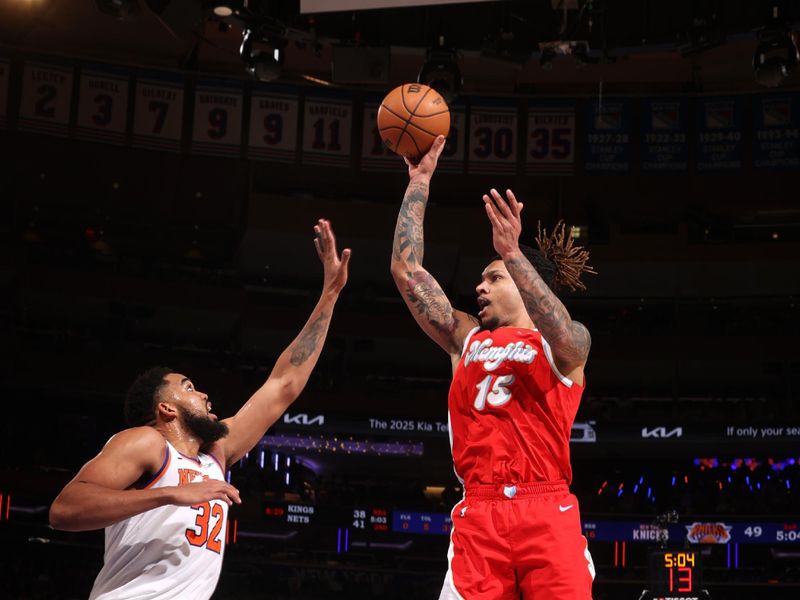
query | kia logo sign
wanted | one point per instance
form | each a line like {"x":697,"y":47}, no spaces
{"x":303,"y":419}
{"x":662,"y":432}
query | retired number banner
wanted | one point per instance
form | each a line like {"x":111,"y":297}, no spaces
{"x":375,"y":156}
{"x":719,"y":134}
{"x":273,"y":127}
{"x":102,"y":105}
{"x":607,"y":136}
{"x":492,"y":138}
{"x":5,"y":75}
{"x":665,"y":141}
{"x":46,"y":99}
{"x":452,"y":157}
{"x":776,"y":143}
{"x":217,"y":129}
{"x":158,"y":114}
{"x":326,"y":131}
{"x":551,"y":138}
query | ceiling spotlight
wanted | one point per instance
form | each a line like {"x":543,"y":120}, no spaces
{"x":223,"y":10}
{"x":119,"y":9}
{"x":441,"y":72}
{"x":776,"y":55}
{"x":264,"y":65}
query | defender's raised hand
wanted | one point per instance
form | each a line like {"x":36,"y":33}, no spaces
{"x":505,"y":217}
{"x":335,"y":267}
{"x":427,"y":164}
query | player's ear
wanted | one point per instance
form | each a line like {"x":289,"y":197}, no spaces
{"x":167,"y":411}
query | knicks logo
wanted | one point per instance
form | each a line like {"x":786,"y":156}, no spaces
{"x":187,"y":476}
{"x":494,"y":356}
{"x":708,"y":533}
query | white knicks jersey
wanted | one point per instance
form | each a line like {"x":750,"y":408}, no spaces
{"x":170,"y":551}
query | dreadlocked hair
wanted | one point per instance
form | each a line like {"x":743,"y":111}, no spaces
{"x":570,"y":261}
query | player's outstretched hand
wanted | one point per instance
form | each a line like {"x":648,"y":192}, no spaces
{"x":505,"y":217}
{"x":427,"y":164}
{"x":203,"y":491}
{"x":335,"y":267}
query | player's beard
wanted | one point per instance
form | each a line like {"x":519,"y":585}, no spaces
{"x":207,"y":429}
{"x":490,"y":324}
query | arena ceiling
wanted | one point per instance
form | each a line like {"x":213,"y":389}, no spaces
{"x":698,"y":42}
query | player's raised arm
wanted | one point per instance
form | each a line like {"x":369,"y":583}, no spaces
{"x":569,"y":339}
{"x":293,"y":368}
{"x":421,"y":292}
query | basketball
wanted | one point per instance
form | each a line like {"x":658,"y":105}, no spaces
{"x":409,"y":119}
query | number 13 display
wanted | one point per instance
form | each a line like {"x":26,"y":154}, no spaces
{"x":674,"y":572}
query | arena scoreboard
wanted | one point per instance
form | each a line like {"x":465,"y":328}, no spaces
{"x":370,"y":519}
{"x":675,"y":574}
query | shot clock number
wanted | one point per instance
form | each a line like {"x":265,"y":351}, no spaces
{"x":675,"y":571}
{"x":681,"y":568}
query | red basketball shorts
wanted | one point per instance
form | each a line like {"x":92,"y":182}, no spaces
{"x":518,"y":541}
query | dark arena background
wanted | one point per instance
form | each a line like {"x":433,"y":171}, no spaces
{"x":159,"y":183}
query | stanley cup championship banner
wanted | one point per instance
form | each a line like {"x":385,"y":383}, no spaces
{"x":551,"y":138}
{"x":719,"y":134}
{"x":776,"y":121}
{"x":665,"y":137}
{"x":46,"y":99}
{"x":273,"y":127}
{"x":102,"y":105}
{"x":217,"y":127}
{"x":607,"y":136}
{"x":5,"y":76}
{"x":158,"y":112}
{"x":155,"y":110}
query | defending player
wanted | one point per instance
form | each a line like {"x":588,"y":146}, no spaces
{"x":517,"y":382}
{"x":159,"y":487}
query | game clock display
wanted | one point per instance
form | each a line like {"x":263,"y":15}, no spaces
{"x":675,"y":574}
{"x":370,"y":519}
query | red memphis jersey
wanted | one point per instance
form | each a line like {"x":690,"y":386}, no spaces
{"x":510,"y":410}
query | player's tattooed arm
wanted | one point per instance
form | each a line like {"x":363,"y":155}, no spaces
{"x":432,"y":309}
{"x":309,"y":339}
{"x":409,"y":246}
{"x":422,"y":293}
{"x":569,"y":339}
{"x":293,"y":368}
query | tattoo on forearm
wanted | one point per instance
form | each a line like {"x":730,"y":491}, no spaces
{"x":430,"y":301}
{"x":309,"y":339}
{"x":409,"y":234}
{"x":548,"y":313}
